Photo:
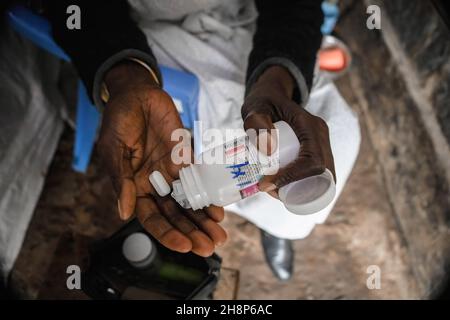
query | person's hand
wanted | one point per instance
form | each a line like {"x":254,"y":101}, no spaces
{"x":135,"y":140}
{"x":270,"y":100}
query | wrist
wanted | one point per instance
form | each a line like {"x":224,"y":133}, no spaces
{"x":127,"y":74}
{"x":278,"y":78}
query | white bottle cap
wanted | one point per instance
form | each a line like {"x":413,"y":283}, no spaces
{"x":309,"y":195}
{"x":179,"y":195}
{"x":138,"y":250}
{"x":159,"y":183}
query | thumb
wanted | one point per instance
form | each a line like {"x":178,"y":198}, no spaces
{"x":259,"y":128}
{"x":303,"y":167}
{"x":127,"y":199}
{"x":126,"y":187}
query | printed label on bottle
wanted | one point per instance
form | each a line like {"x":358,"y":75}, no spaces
{"x":243,"y":165}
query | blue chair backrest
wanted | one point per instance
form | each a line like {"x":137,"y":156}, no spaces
{"x":35,"y":28}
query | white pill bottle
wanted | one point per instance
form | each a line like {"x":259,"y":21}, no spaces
{"x":205,"y":184}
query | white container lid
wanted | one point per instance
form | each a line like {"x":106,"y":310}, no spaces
{"x":138,"y":249}
{"x":309,"y":195}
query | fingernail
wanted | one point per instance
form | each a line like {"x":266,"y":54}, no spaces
{"x":120,"y":210}
{"x":159,"y":183}
{"x":267,"y":186}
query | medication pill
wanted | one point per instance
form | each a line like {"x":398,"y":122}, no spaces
{"x":159,"y":183}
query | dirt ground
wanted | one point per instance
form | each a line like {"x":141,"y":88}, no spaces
{"x":330,"y":264}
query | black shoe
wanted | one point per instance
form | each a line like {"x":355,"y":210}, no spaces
{"x":279,"y":255}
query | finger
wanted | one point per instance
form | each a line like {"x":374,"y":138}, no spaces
{"x":258,"y":121}
{"x":326,"y":148}
{"x":127,"y":195}
{"x":329,"y":159}
{"x":303,"y":167}
{"x":202,"y":243}
{"x":127,"y":199}
{"x":157,"y":225}
{"x":274,"y":194}
{"x":259,"y":128}
{"x":319,"y":140}
{"x":209,"y":226}
{"x":215,"y":213}
{"x":174,"y":215}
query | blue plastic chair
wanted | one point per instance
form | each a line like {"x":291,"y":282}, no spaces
{"x":182,"y":86}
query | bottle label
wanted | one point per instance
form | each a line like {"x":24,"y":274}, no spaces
{"x":243,"y":165}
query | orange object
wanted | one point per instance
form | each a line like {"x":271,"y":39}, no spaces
{"x":332,"y":59}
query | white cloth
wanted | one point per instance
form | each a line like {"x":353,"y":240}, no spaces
{"x":213,"y":42}
{"x":30,"y":127}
